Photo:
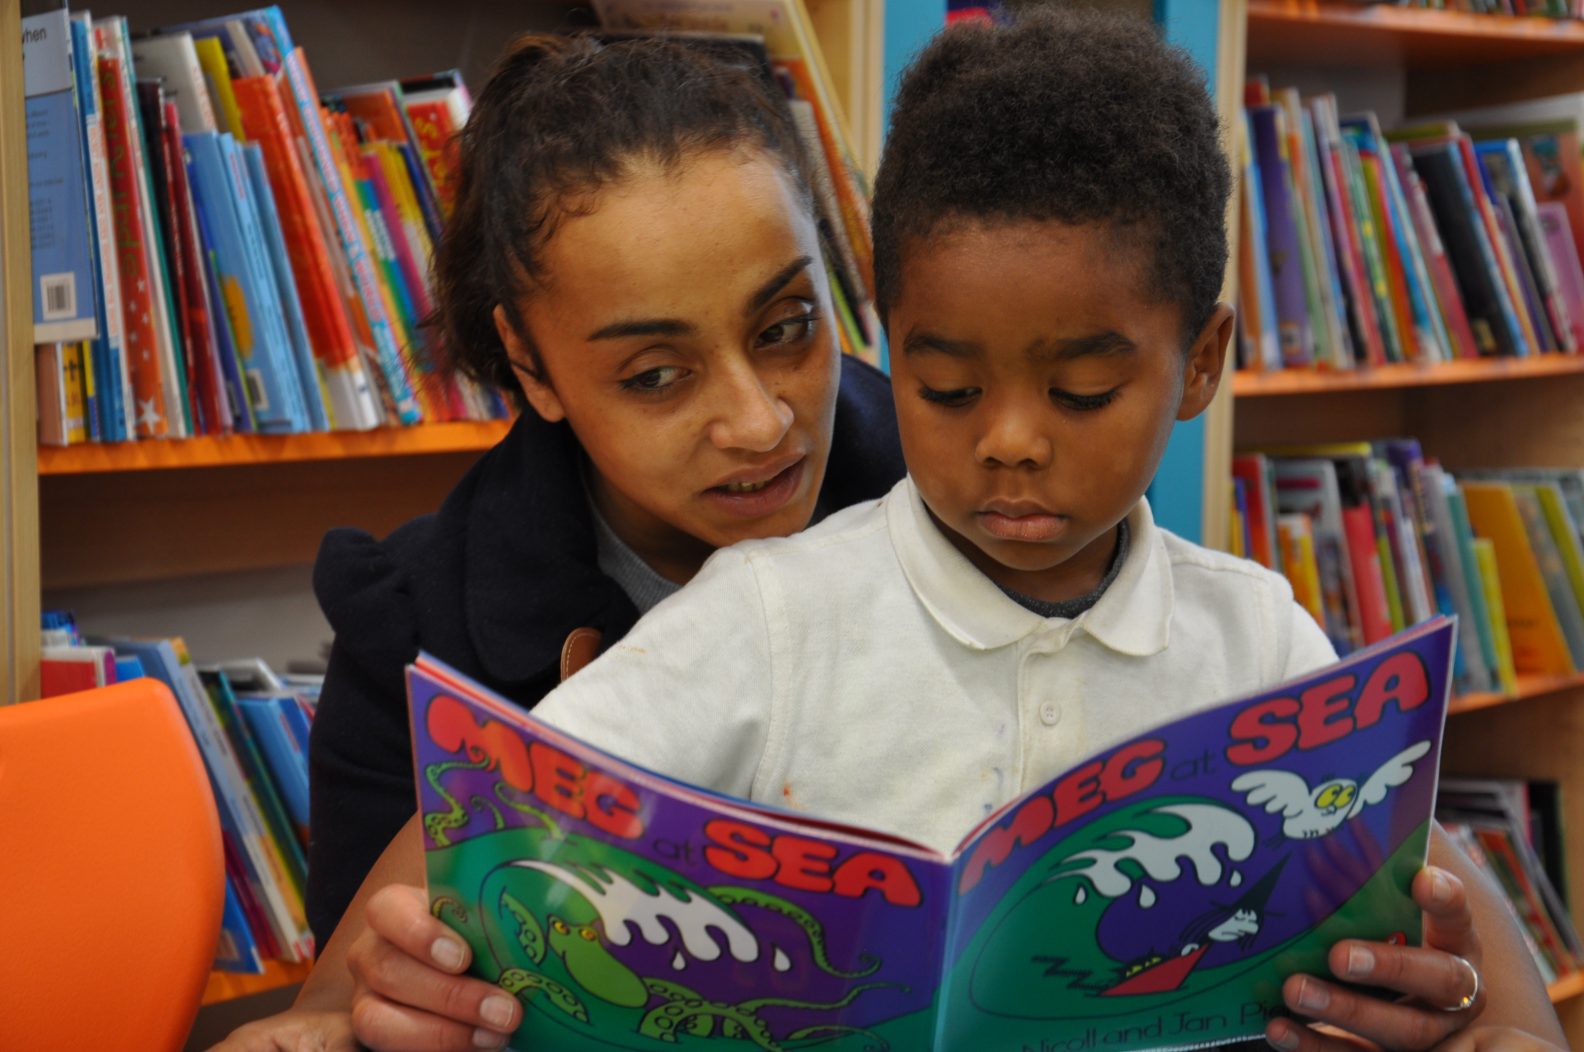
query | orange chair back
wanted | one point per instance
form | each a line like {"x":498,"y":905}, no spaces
{"x":112,"y":877}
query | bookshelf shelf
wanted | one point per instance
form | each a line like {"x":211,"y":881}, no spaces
{"x":226,"y":986}
{"x":1529,"y":687}
{"x":1567,"y":987}
{"x":240,"y":450}
{"x":1313,"y":31}
{"x":1386,"y":377}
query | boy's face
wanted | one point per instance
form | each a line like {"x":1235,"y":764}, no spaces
{"x":1036,"y":385}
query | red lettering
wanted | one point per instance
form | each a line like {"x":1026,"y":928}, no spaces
{"x":1261,"y":737}
{"x":613,"y":807}
{"x":1322,"y":715}
{"x":558,"y":779}
{"x":1400,"y":678}
{"x":1078,"y":793}
{"x":867,"y":871}
{"x":1032,"y":821}
{"x":741,"y":850}
{"x":1132,"y":768}
{"x":805,"y":864}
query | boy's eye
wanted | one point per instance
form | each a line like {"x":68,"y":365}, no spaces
{"x":1082,"y":402}
{"x":787,"y":331}
{"x":652,"y":380}
{"x":953,"y":399}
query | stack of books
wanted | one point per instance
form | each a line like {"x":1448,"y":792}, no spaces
{"x":251,"y":728}
{"x":1450,"y":239}
{"x":1375,"y":537}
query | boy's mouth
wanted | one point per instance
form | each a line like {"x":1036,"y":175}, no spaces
{"x":1020,"y":521}
{"x":754,"y":497}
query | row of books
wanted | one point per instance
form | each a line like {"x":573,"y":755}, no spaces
{"x":1425,"y":244}
{"x":1537,"y":8}
{"x":1376,"y":537}
{"x":217,"y":247}
{"x":251,"y":728}
{"x":1513,"y":830}
{"x":221,"y":247}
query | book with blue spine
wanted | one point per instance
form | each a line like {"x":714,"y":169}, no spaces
{"x":266,"y":716}
{"x":59,"y":200}
{"x":256,"y":330}
{"x":220,"y":312}
{"x":1281,"y":235}
{"x":274,"y":237}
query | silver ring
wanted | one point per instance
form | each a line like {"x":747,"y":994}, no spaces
{"x":1469,"y":998}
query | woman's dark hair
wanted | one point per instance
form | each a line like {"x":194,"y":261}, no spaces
{"x":558,"y":118}
{"x":1068,"y":116}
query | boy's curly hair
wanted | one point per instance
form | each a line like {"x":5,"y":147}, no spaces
{"x":1069,"y":116}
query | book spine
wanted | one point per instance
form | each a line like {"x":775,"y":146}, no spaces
{"x":137,"y":302}
{"x":351,"y":236}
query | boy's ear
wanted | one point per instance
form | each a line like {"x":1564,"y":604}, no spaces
{"x":1206,"y":360}
{"x":530,"y":374}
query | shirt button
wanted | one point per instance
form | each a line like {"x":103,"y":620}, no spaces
{"x":1050,"y":714}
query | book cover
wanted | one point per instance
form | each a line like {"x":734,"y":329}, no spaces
{"x":1448,"y":300}
{"x":59,"y":197}
{"x":1294,"y":334}
{"x":173,"y":60}
{"x":1507,"y":177}
{"x":1562,"y":251}
{"x":1367,"y":340}
{"x":1309,"y":486}
{"x":627,"y":910}
{"x":1490,"y":584}
{"x":1295,"y":541}
{"x":1553,"y":566}
{"x":1475,"y":672}
{"x":1256,"y":297}
{"x":1539,"y":645}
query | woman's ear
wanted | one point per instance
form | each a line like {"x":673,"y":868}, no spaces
{"x":1206,"y":360}
{"x":530,"y":373}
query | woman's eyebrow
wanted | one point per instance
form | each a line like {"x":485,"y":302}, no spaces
{"x":768,"y":290}
{"x":677,"y":327}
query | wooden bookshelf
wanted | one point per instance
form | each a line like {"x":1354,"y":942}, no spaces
{"x":226,"y":986}
{"x":1250,"y":384}
{"x":249,"y":450}
{"x":1314,"y":31}
{"x":1529,"y":688}
{"x":1566,"y":988}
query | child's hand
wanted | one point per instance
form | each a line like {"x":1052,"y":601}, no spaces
{"x":410,"y":993}
{"x":295,"y":1030}
{"x":1440,"y":981}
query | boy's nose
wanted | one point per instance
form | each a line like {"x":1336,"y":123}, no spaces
{"x":1013,"y":439}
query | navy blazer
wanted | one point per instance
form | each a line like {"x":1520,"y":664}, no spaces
{"x":491,"y":584}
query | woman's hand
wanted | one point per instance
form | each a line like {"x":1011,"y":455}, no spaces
{"x":409,"y":992}
{"x":296,"y":1030}
{"x":1440,"y":983}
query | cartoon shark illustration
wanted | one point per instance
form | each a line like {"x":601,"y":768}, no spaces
{"x":1308,"y":813}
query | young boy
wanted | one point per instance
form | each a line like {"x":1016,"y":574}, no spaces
{"x":1050,"y":245}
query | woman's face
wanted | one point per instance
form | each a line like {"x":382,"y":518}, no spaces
{"x":685,"y":331}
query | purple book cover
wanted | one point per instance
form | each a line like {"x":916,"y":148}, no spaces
{"x":1152,"y":897}
{"x":1565,"y":261}
{"x":1281,"y":235}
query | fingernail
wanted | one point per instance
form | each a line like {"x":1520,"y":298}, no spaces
{"x":1360,"y":962}
{"x":1440,"y":888}
{"x":1312,"y":997}
{"x":1284,"y":1037}
{"x":488,"y":1039}
{"x":447,"y":953}
{"x":497,"y":1012}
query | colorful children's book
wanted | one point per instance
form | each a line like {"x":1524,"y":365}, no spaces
{"x":1152,"y":897}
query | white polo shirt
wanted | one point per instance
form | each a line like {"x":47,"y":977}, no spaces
{"x":866,"y":672}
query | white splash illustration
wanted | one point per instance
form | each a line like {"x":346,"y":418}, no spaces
{"x":679,"y":962}
{"x":782,"y":962}
{"x":624,"y":907}
{"x":1161,"y":857}
{"x":1310,"y":813}
{"x":1237,"y":879}
{"x":1146,"y":897}
{"x":1079,"y":896}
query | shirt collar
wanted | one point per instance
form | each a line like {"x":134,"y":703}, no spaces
{"x":1133,"y":617}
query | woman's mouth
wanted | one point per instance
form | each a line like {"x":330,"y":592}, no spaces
{"x":756,"y":498}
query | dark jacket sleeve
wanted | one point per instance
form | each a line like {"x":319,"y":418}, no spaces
{"x":359,"y":749}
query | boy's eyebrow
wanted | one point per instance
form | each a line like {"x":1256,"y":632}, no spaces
{"x":1099,"y":344}
{"x":677,"y":327}
{"x":925,"y":342}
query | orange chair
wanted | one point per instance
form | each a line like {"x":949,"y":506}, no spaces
{"x":111,"y":872}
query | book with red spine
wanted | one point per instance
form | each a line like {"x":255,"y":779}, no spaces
{"x":137,"y":300}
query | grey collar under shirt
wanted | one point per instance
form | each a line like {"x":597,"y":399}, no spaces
{"x":1070,"y":608}
{"x":621,"y":564}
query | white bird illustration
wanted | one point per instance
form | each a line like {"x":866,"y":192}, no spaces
{"x":1310,"y":813}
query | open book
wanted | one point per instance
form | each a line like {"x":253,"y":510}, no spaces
{"x":1154,"y":896}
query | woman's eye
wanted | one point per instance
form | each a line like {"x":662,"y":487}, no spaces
{"x":1082,"y":402}
{"x":955,"y":398}
{"x":791,"y":330}
{"x":650,"y":380}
